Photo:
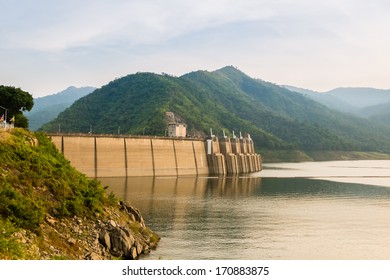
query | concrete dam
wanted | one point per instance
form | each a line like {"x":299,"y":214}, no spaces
{"x":123,"y":156}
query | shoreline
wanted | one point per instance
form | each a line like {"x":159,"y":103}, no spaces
{"x":344,"y":171}
{"x":313,"y":156}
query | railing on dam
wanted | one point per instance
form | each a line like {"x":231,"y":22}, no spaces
{"x":120,"y":155}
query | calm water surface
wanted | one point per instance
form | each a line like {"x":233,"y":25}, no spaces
{"x":321,"y":210}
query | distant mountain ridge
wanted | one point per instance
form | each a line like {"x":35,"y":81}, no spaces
{"x":48,"y":107}
{"x":361,"y":97}
{"x":353,"y":97}
{"x":370,"y":103}
{"x":225,"y":99}
{"x":326,"y":99}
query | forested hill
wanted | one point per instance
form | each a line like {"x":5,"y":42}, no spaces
{"x":276,"y":118}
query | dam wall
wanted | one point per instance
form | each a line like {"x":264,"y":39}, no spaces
{"x":111,"y":156}
{"x":126,"y":156}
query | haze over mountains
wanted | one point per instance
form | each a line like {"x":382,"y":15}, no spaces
{"x":225,"y":99}
{"x":48,"y":107}
{"x":369,"y":103}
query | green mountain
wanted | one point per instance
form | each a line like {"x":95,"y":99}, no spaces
{"x":48,"y":107}
{"x":226,"y":99}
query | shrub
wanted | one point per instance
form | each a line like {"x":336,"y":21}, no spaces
{"x":23,"y":211}
{"x":10,"y":248}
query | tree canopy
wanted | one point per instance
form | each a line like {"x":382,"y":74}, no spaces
{"x":15,"y":101}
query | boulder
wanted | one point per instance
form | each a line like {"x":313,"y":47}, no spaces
{"x":112,"y":223}
{"x":104,"y":238}
{"x":132,"y":211}
{"x":133,"y":253}
{"x":121,"y":242}
{"x":139,"y":247}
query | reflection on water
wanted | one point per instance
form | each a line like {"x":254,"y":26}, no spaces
{"x":261,"y":218}
{"x":182,"y":186}
{"x":160,"y":187}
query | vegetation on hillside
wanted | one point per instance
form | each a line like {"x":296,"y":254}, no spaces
{"x":36,"y":180}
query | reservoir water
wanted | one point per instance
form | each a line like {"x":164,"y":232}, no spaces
{"x":300,"y":211}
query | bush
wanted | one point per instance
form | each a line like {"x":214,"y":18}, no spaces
{"x":22,"y":210}
{"x":10,"y":248}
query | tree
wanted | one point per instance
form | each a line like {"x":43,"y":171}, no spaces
{"x":16,"y":101}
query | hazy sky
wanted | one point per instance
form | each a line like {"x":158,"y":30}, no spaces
{"x":46,"y":45}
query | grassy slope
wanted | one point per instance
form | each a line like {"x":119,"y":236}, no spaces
{"x":37,"y":181}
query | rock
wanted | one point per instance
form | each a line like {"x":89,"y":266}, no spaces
{"x":127,"y":232}
{"x":89,"y":238}
{"x":133,"y":211}
{"x":71,"y":241}
{"x":139,"y":247}
{"x":112,"y":223}
{"x":21,"y":237}
{"x":132,"y":217}
{"x":133,"y":253}
{"x":50,"y":220}
{"x":93,"y":256}
{"x":76,"y":228}
{"x":96,"y":242}
{"x":121,"y":243}
{"x":104,"y":238}
{"x":94,"y":233}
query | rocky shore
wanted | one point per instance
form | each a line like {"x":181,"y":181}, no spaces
{"x":118,"y":233}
